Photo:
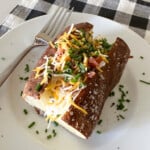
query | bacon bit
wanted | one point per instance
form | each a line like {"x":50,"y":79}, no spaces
{"x":99,"y":59}
{"x":92,"y":62}
{"x":91,"y":74}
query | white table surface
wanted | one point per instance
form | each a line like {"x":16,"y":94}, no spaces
{"x":6,"y":6}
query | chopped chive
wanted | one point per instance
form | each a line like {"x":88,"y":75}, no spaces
{"x":120,"y":106}
{"x":141,"y":57}
{"x":21,"y":78}
{"x":66,"y":79}
{"x":27,"y":69}
{"x":75,"y":78}
{"x":81,"y":85}
{"x":21,"y":93}
{"x":56,"y":123}
{"x":38,"y":87}
{"x":24,"y":78}
{"x":112,"y":93}
{"x":99,"y":122}
{"x":98,"y":132}
{"x":122,"y":117}
{"x":112,"y":104}
{"x":25,"y":111}
{"x":82,"y":68}
{"x":121,"y":101}
{"x":37,"y":132}
{"x":46,"y":130}
{"x":125,"y":109}
{"x":145,"y":82}
{"x":58,"y":115}
{"x":121,"y":86}
{"x":31,"y":124}
{"x":54,"y":133}
{"x":127,"y":100}
{"x":49,"y":136}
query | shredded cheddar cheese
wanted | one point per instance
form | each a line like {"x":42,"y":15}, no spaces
{"x":64,"y":74}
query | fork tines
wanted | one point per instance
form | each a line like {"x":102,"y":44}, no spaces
{"x":57,"y":21}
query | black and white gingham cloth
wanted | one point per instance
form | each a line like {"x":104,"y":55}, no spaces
{"x":133,"y":13}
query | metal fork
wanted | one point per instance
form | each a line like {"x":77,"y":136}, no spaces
{"x":55,"y":24}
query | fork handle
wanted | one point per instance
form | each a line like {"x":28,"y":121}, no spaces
{"x":7,"y":72}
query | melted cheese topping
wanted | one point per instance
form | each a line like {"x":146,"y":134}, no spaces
{"x":58,"y":96}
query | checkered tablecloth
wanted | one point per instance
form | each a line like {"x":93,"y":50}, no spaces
{"x":133,"y":13}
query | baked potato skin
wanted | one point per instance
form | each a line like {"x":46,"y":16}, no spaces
{"x":93,"y":97}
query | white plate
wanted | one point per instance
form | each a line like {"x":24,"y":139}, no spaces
{"x":132,"y":133}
